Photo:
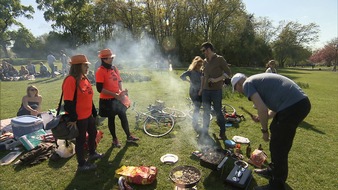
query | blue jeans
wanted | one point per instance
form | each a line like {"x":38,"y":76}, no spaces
{"x":197,"y":101}
{"x":212,"y":97}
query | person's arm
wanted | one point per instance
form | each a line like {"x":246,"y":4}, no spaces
{"x":214,"y":80}
{"x":27,"y":107}
{"x":263,"y":114}
{"x":120,"y":85}
{"x":184,"y":76}
{"x":40,"y":103}
{"x":94,"y":112}
{"x":100,"y":89}
{"x":202,"y":83}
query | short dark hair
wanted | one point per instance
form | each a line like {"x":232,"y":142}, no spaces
{"x":207,"y":45}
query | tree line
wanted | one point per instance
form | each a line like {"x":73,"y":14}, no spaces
{"x":177,"y":26}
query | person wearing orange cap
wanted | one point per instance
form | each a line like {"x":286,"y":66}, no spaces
{"x":78,"y":103}
{"x":109,"y":85}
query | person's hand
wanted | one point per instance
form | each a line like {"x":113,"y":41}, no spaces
{"x":255,"y":118}
{"x":34,"y":112}
{"x":71,"y":124}
{"x":123,"y":92}
{"x":213,"y":80}
{"x":266,"y":136}
{"x":200,"y":92}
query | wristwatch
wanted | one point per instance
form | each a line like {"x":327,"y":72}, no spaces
{"x":265,"y":130}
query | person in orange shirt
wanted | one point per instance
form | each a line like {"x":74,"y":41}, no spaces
{"x":109,"y":85}
{"x":78,"y":103}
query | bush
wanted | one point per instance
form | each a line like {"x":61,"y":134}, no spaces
{"x":134,"y":77}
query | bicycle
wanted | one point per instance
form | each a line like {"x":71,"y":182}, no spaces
{"x":230,"y":114}
{"x":156,"y":122}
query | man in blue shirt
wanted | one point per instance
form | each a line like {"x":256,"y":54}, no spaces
{"x":277,"y":97}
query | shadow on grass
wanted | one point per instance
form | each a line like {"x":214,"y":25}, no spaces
{"x":104,"y":176}
{"x":309,"y":126}
{"x":59,"y":163}
{"x":46,"y":80}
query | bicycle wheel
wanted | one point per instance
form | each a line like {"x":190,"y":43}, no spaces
{"x":159,"y":125}
{"x":228,"y":109}
{"x":230,"y":114}
{"x":175,"y":113}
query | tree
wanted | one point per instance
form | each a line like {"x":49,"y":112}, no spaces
{"x":24,"y":43}
{"x":264,"y":29}
{"x":293,"y":37}
{"x":9,"y":11}
{"x":73,"y":18}
{"x":327,"y":54}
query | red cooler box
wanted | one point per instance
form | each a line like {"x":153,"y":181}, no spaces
{"x":25,"y":124}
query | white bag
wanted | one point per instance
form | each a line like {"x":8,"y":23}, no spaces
{"x":65,"y":151}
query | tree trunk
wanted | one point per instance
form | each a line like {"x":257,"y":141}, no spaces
{"x":4,"y":49}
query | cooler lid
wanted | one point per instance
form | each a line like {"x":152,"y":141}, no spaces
{"x":26,"y":119}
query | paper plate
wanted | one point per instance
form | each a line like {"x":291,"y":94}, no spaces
{"x":240,"y":139}
{"x":169,"y":158}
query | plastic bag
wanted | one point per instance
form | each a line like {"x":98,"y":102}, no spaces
{"x":98,"y":138}
{"x":63,"y":150}
{"x":257,"y":158}
{"x":138,"y":175}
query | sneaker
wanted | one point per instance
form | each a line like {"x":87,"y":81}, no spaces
{"x":266,"y":172}
{"x":116,"y":143}
{"x":86,"y":167}
{"x":95,"y":156}
{"x":132,"y":139}
{"x":264,"y":187}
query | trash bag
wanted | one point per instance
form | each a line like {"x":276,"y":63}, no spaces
{"x":257,"y":158}
{"x":65,"y":148}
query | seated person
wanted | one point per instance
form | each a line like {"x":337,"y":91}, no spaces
{"x":23,"y":72}
{"x":31,"y":68}
{"x":31,"y":103}
{"x":12,"y":72}
{"x":43,"y":71}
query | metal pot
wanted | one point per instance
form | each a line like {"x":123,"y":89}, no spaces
{"x":185,"y":176}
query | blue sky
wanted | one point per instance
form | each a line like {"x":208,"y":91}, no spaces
{"x":322,"y":12}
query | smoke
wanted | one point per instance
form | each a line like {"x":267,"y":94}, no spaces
{"x":144,"y":56}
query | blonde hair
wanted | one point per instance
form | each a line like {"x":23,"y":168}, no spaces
{"x":32,"y":87}
{"x":271,"y":62}
{"x":197,"y":61}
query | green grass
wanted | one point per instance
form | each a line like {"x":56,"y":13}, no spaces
{"x":312,"y":160}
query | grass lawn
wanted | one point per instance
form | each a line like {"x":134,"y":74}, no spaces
{"x":312,"y":160}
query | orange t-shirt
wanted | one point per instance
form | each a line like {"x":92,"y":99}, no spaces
{"x":84,"y":96}
{"x":110,"y":79}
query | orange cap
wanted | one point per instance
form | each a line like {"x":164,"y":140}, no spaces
{"x":106,"y":53}
{"x":79,"y":59}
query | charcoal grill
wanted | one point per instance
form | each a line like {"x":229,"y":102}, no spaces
{"x":214,"y":158}
{"x":185,"y":177}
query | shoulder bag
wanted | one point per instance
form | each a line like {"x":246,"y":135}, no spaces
{"x":59,"y":127}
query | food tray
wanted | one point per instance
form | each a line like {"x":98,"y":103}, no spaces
{"x":9,"y":158}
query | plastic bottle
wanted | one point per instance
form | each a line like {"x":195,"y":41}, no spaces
{"x":238,"y":148}
{"x":248,"y":151}
{"x":260,"y":147}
